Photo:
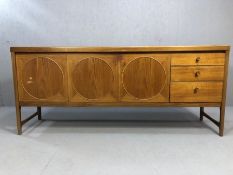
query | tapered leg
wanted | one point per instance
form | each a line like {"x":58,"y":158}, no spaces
{"x":222,"y":116}
{"x":18,"y":120}
{"x":39,"y":112}
{"x":201,"y":113}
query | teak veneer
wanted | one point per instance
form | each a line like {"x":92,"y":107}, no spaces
{"x":182,"y":76}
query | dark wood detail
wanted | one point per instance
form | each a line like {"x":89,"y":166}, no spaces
{"x":39,"y":112}
{"x":203,"y":114}
{"x":29,"y":118}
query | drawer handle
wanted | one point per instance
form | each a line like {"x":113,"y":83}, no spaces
{"x":195,"y":90}
{"x":197,"y":74}
{"x":198,"y":59}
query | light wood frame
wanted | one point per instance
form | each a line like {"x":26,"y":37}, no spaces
{"x":121,"y":50}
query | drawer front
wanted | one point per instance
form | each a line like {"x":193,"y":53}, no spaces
{"x":197,"y":73}
{"x":196,"y":91}
{"x":198,"y":59}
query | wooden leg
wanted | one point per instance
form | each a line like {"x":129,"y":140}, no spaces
{"x":219,"y":124}
{"x":201,"y":113}
{"x":39,"y":112}
{"x":21,"y":122}
{"x":18,"y":119}
{"x":222,"y":116}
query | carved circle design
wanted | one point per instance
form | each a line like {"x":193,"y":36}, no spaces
{"x":92,"y":78}
{"x":42,"y":78}
{"x":144,"y":77}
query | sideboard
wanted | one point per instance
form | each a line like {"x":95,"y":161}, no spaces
{"x":155,"y":76}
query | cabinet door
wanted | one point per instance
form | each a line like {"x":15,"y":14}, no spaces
{"x":93,"y":77}
{"x":145,"y":78}
{"x":42,"y":77}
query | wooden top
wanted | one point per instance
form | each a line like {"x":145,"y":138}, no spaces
{"x":122,"y":49}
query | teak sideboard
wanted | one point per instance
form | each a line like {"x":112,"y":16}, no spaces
{"x":182,"y":76}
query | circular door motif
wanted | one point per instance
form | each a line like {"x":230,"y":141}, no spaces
{"x":92,"y":78}
{"x":42,"y":78}
{"x":144,"y":77}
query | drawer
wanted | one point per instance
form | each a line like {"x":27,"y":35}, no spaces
{"x":198,"y":59}
{"x":197,"y":73}
{"x":196,"y":91}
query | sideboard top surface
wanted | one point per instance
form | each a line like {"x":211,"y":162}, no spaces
{"x":122,"y":49}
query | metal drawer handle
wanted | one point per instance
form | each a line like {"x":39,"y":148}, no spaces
{"x":197,"y":74}
{"x":195,"y":90}
{"x":198,"y":59}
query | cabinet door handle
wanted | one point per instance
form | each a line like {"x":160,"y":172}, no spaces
{"x":198,"y":59}
{"x":195,"y":90}
{"x":30,"y":80}
{"x":197,"y":74}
